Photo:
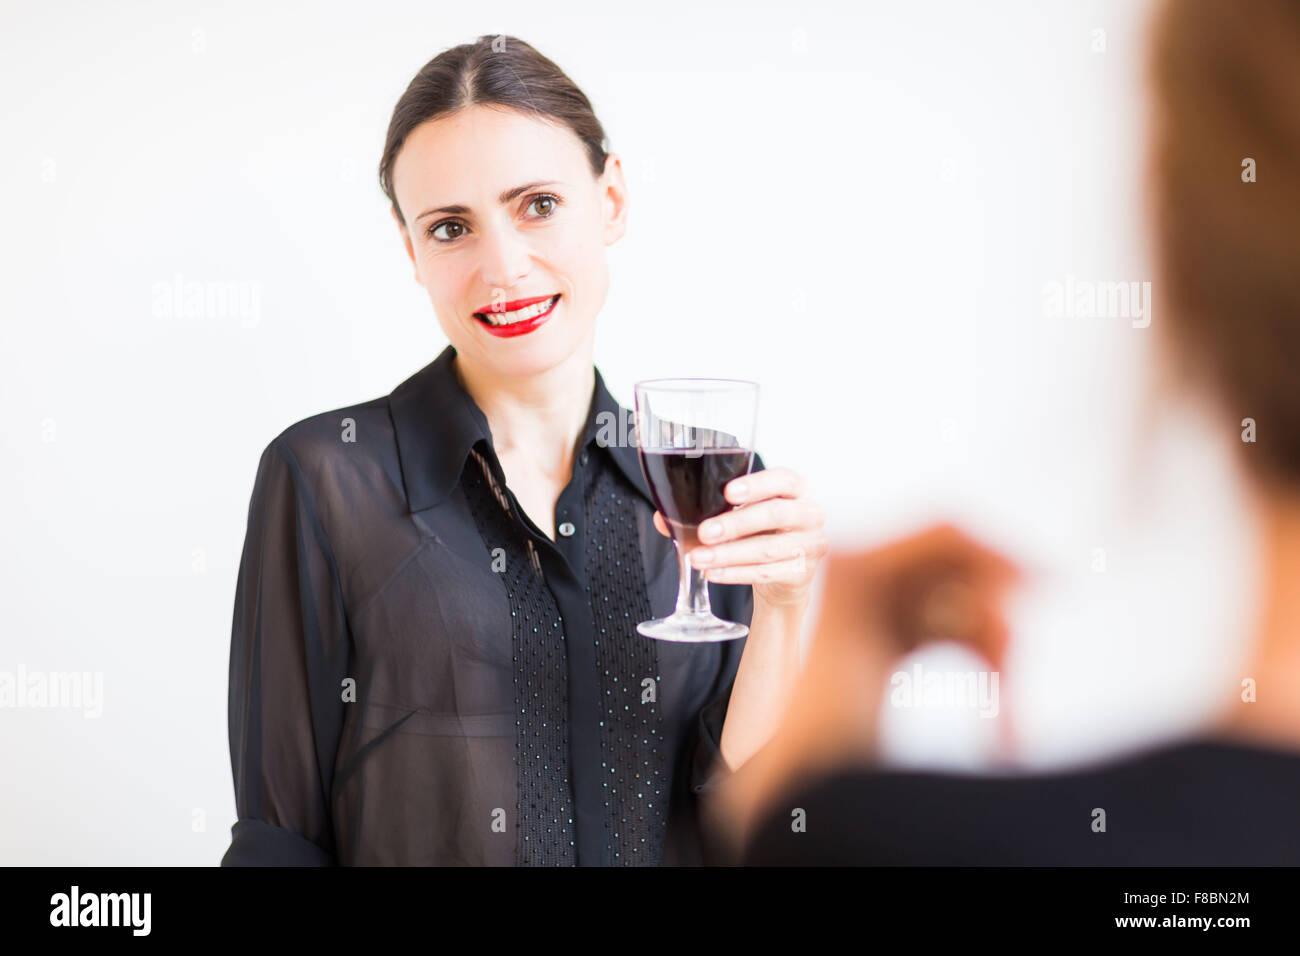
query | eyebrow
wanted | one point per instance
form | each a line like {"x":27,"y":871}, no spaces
{"x":504,"y":198}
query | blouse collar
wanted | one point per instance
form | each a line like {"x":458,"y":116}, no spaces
{"x":437,"y":423}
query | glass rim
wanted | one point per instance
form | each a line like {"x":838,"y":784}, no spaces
{"x":694,"y":384}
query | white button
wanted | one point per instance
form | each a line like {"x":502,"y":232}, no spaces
{"x":566,"y":528}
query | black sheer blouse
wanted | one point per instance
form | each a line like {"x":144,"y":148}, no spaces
{"x":420,"y":676}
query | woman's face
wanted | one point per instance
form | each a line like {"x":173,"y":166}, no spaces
{"x":501,"y":207}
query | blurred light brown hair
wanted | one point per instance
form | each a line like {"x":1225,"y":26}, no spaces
{"x":1225,"y":84}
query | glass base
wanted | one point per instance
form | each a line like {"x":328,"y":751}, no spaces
{"x":692,"y":629}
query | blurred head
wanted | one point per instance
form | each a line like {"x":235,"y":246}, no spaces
{"x":496,"y":170}
{"x":1225,"y":83}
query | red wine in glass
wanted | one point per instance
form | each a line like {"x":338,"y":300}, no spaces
{"x":693,"y":437}
{"x":687,"y":486}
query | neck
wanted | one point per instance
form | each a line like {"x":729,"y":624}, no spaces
{"x":1274,"y":718}
{"x":541,"y":416}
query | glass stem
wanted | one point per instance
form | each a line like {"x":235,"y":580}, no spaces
{"x":692,"y":588}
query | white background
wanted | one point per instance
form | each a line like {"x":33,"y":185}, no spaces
{"x":857,"y":205}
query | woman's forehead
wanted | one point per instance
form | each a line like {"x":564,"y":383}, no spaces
{"x":471,"y":156}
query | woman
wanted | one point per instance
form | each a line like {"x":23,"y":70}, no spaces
{"x":434,"y":658}
{"x":1225,"y":178}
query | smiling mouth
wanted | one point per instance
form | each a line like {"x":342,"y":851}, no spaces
{"x":506,"y":319}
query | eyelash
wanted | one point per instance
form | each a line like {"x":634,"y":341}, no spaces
{"x":556,"y":200}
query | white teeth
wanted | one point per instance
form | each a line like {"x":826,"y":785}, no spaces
{"x":520,"y":315}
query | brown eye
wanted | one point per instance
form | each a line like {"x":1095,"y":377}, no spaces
{"x":549,"y":203}
{"x":448,"y":224}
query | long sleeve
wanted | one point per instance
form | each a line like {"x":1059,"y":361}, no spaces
{"x":289,"y":658}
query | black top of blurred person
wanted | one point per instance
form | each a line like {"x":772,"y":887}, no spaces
{"x":1199,"y":801}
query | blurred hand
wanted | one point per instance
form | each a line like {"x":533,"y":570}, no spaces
{"x":937,"y":585}
{"x":877,"y":605}
{"x":772,"y":539}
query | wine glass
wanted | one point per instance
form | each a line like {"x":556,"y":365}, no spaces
{"x":693,"y":436}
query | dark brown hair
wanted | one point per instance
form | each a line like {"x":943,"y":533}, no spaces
{"x":1225,"y":79}
{"x":500,"y":71}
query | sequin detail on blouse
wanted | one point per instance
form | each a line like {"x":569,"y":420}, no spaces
{"x":544,"y":831}
{"x":636,"y":788}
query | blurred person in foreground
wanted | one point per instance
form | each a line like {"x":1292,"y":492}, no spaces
{"x":1225,"y":85}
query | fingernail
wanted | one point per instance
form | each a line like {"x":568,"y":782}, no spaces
{"x":701,"y":556}
{"x":738,"y":489}
{"x":709,"y":530}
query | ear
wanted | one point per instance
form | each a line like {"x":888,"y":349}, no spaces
{"x":614,"y":199}
{"x":406,"y":240}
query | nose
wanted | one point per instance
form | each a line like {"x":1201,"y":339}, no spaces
{"x":505,"y":257}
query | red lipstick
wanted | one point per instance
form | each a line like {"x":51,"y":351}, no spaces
{"x":512,"y":306}
{"x":519,"y":328}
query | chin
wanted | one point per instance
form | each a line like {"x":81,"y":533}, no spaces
{"x":524,"y":357}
